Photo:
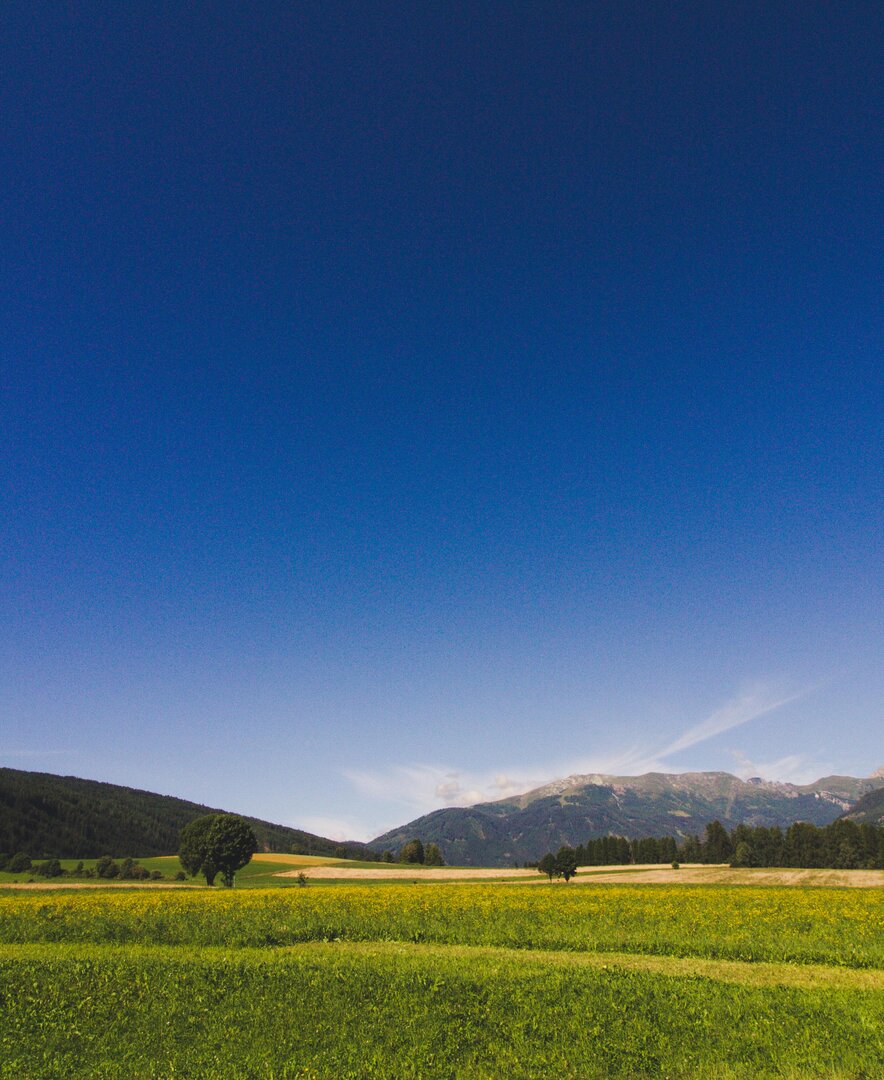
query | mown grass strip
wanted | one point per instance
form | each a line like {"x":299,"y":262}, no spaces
{"x":806,"y":976}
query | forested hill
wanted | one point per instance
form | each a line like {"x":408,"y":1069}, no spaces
{"x":66,"y":817}
{"x":869,"y":810}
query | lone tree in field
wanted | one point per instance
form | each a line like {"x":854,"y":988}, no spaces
{"x":193,"y":848}
{"x":217,"y":844}
{"x":566,"y":862}
{"x":547,"y":865}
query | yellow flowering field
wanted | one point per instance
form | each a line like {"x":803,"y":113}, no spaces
{"x":451,"y":981}
{"x":830,"y":926}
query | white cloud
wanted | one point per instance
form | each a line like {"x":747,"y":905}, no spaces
{"x":427,"y":787}
{"x":420,"y":788}
{"x":751,"y":704}
{"x":792,"y":769}
{"x":333,"y":828}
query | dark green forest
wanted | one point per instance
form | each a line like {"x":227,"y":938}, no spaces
{"x":843,"y":845}
{"x":65,"y":817}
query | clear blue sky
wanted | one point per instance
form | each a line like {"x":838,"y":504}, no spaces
{"x":405,"y":403}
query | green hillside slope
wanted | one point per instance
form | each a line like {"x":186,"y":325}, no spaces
{"x":869,"y":810}
{"x":66,"y":817}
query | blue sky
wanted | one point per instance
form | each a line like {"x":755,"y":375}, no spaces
{"x":403,"y":405}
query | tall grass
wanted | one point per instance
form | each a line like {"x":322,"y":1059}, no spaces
{"x":334,"y":1012}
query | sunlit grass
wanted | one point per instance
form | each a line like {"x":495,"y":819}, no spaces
{"x":829,"y":926}
{"x":348,"y":1010}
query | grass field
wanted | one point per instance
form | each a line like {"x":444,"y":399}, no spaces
{"x":444,"y":980}
{"x":263,"y":870}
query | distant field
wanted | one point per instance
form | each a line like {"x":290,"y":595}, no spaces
{"x":268,"y":870}
{"x":690,"y":874}
{"x":444,"y":980}
{"x":260,"y":871}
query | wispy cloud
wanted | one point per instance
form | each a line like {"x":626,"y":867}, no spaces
{"x":420,"y":788}
{"x":749,"y":705}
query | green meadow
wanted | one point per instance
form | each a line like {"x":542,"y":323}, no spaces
{"x":261,"y":872}
{"x":444,"y":980}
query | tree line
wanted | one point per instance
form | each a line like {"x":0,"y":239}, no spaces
{"x":415,"y":852}
{"x":843,"y":845}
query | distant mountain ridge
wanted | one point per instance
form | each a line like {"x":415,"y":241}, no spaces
{"x":67,"y":817}
{"x":576,"y":808}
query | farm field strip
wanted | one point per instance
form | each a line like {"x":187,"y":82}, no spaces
{"x":392,"y":873}
{"x":844,"y":927}
{"x":688,"y":874}
{"x":806,"y":976}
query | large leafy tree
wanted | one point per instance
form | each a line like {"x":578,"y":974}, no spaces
{"x":412,"y":852}
{"x":193,"y":848}
{"x":217,"y":844}
{"x":547,"y":865}
{"x":233,"y":843}
{"x":566,"y":862}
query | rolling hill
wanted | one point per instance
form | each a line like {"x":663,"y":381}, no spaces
{"x":66,"y":817}
{"x":571,"y":810}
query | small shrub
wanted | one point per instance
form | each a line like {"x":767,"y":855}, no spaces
{"x":50,"y":869}
{"x":19,"y":863}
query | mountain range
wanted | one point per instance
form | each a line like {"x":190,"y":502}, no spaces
{"x":68,"y":817}
{"x":574,"y":809}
